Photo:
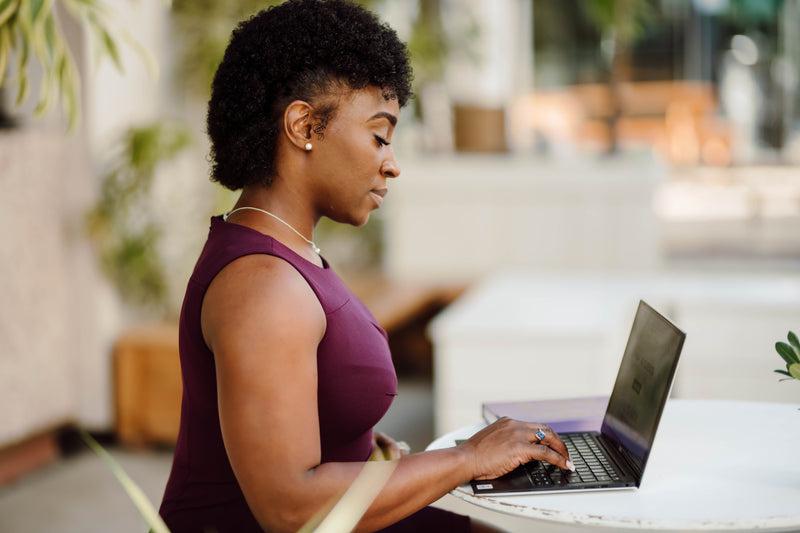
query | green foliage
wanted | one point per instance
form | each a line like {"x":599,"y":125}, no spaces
{"x":746,"y":14}
{"x":427,"y":45}
{"x":625,"y":20}
{"x":341,"y":513}
{"x":790,"y":353}
{"x":134,"y":492}
{"x":205,"y":27}
{"x":32,"y":26}
{"x":121,"y":224}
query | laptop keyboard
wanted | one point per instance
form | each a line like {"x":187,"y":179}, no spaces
{"x":591,"y":464}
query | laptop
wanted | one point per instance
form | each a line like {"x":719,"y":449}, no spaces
{"x":615,"y":457}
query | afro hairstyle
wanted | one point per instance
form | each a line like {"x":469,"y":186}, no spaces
{"x":300,"y":49}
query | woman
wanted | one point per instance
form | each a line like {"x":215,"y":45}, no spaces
{"x":285,"y":372}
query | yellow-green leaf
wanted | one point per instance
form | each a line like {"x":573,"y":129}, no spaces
{"x":147,"y":58}
{"x":5,"y":50}
{"x":794,"y":370}
{"x":354,"y":502}
{"x":24,"y":13}
{"x":36,"y":9}
{"x":135,"y":493}
{"x":111,"y":47}
{"x":24,"y":49}
{"x":50,"y":34}
{"x":44,"y":95}
{"x":7,"y":9}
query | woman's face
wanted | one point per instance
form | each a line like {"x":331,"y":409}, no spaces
{"x":354,"y":160}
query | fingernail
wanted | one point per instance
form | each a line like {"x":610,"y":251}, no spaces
{"x":570,"y":465}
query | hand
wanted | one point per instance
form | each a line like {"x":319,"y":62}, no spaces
{"x":386,"y":448}
{"x":505,"y":444}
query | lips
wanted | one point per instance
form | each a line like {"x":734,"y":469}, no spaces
{"x":377,"y":195}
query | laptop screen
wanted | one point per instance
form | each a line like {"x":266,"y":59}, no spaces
{"x":642,"y":386}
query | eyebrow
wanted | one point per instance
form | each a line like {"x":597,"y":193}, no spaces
{"x":383,"y":114}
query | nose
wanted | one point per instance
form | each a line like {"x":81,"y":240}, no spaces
{"x":390,"y":168}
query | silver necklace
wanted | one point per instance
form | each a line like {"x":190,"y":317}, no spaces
{"x":276,"y":217}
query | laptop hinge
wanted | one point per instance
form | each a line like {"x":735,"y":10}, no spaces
{"x":620,"y":457}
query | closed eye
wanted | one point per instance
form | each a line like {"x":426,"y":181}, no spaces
{"x":381,"y":140}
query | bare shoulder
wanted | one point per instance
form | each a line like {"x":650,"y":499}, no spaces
{"x":258,"y":290}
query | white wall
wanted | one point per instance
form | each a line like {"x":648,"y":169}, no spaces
{"x":59,"y":316}
{"x":456,"y":218}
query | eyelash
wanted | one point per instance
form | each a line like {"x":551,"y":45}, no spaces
{"x":381,"y":140}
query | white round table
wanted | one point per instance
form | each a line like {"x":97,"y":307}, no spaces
{"x":715,"y":466}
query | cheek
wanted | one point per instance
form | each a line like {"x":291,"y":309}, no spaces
{"x":357,"y":165}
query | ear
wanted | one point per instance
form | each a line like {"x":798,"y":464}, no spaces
{"x":297,"y":123}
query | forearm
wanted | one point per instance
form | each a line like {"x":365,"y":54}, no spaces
{"x":418,"y":480}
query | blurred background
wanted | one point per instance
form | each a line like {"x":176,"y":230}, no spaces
{"x":561,"y":160}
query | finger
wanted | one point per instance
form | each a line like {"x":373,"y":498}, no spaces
{"x":550,"y":439}
{"x":545,"y":453}
{"x":554,"y":442}
{"x":405,"y":449}
{"x":393,"y":450}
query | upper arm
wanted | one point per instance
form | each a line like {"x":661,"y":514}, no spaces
{"x":263,"y":323}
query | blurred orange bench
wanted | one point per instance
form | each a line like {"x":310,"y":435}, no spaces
{"x":664,"y":114}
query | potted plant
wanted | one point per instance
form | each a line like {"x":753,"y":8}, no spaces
{"x":790,"y":353}
{"x":32,"y":27}
{"x":126,"y":231}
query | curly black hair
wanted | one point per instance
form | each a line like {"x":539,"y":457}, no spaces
{"x":298,"y":50}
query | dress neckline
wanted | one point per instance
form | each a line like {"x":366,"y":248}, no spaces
{"x":325,"y":266}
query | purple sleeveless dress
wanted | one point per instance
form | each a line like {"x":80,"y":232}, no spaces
{"x":356,"y":386}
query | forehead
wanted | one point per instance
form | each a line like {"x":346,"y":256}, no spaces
{"x":361,"y":104}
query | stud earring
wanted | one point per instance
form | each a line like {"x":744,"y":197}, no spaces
{"x":308,"y":147}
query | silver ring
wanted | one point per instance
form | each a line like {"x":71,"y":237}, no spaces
{"x":540,"y":435}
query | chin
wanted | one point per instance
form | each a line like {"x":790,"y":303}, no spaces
{"x":354,"y":219}
{"x":364,"y":219}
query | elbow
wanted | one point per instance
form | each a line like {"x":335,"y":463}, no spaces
{"x":280,"y":517}
{"x":278,"y":520}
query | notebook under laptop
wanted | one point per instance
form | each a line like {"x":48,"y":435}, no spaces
{"x":615,"y":457}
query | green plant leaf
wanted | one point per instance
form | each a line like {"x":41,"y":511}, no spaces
{"x":7,"y":9}
{"x":794,"y":370}
{"x":794,"y":342}
{"x":40,"y":50}
{"x":787,"y":353}
{"x":147,"y":58}
{"x":22,"y":88}
{"x":36,"y":10}
{"x":70,"y":87}
{"x":784,"y":372}
{"x":110,"y":46}
{"x":50,"y":35}
{"x":5,"y":51}
{"x":137,"y":496}
{"x":44,"y":97}
{"x":32,"y":26}
{"x":354,"y":502}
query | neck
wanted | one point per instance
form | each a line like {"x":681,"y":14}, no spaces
{"x":290,"y":205}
